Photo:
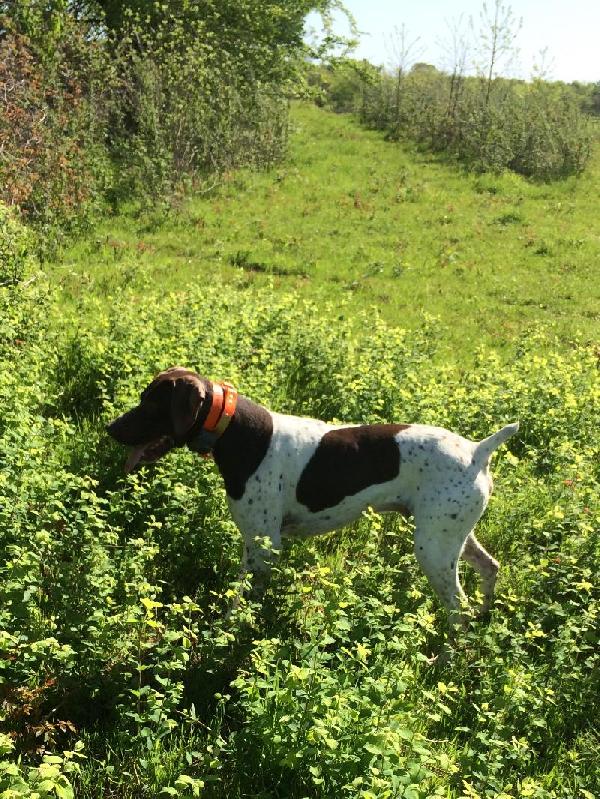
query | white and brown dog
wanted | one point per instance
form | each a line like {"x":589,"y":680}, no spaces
{"x":288,"y":476}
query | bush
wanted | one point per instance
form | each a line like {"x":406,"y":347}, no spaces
{"x":181,"y":109}
{"x":537,"y":129}
{"x":49,"y":779}
{"x":341,"y":82}
{"x":51,"y":131}
{"x":17,"y":246}
{"x":113,"y":589}
{"x":552,"y":137}
{"x":123,"y":101}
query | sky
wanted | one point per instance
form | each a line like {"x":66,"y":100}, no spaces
{"x":569,"y":30}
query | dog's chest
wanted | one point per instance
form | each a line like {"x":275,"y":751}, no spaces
{"x":271,"y":490}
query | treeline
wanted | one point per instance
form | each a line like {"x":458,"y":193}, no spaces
{"x":539,"y":129}
{"x":105,"y":100}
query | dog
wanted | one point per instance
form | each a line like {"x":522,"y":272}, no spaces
{"x":294,"y":477}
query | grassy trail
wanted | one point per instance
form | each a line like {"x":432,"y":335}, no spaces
{"x":369,"y":223}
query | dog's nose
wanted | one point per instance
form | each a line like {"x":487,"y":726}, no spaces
{"x":131,"y":428}
{"x":112,"y":428}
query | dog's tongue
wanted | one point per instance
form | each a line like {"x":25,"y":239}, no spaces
{"x":149,"y":452}
{"x":135,"y":456}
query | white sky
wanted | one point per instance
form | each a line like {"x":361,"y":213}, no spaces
{"x":569,"y":29}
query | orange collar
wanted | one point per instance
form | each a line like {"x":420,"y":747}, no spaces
{"x":224,"y":403}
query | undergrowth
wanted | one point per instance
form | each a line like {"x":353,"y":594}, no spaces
{"x":121,"y":675}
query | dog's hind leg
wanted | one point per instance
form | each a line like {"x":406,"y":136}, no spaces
{"x":438,"y":557}
{"x":486,"y":566}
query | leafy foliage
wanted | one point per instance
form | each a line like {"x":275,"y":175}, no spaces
{"x":17,"y":247}
{"x":53,"y":162}
{"x":114,"y":589}
{"x":183,"y":108}
{"x":260,"y":35}
{"x":109,"y":102}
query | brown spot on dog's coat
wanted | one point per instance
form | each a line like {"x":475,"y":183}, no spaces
{"x":347,"y":461}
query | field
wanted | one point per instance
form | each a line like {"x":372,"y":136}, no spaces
{"x":360,"y":281}
{"x":360,"y":221}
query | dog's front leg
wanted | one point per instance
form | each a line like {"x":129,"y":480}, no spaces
{"x":257,"y":556}
{"x":259,"y":553}
{"x":259,"y":522}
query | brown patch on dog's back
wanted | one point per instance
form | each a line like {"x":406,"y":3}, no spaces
{"x":347,"y":461}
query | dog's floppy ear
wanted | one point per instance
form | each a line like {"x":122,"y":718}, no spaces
{"x":186,"y":401}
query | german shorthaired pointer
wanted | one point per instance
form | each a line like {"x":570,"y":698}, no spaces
{"x":288,"y":476}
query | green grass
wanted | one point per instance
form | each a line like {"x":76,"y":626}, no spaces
{"x":365,"y":222}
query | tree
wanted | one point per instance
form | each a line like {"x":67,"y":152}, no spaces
{"x":456,"y":49}
{"x":404,"y":52}
{"x":497,"y":34}
{"x":594,"y":102}
{"x":423,"y":68}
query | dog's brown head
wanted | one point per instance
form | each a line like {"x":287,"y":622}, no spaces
{"x":168,"y":410}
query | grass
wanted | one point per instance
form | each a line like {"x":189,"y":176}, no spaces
{"x":361,"y":221}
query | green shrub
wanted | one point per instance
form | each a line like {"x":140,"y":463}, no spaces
{"x":113,"y":588}
{"x":342,"y":82}
{"x":117,"y":102}
{"x":54,"y":164}
{"x":17,"y":247}
{"x":48,"y":779}
{"x":554,"y":139}
{"x":181,"y":109}
{"x":537,"y":129}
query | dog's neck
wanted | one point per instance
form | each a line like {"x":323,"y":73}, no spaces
{"x":243,"y":445}
{"x":214,"y":416}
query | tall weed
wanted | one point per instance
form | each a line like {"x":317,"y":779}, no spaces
{"x":114,"y":589}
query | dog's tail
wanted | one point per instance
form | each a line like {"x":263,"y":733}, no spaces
{"x":484,"y":449}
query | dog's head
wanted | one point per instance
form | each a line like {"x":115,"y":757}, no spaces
{"x":168,"y":410}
